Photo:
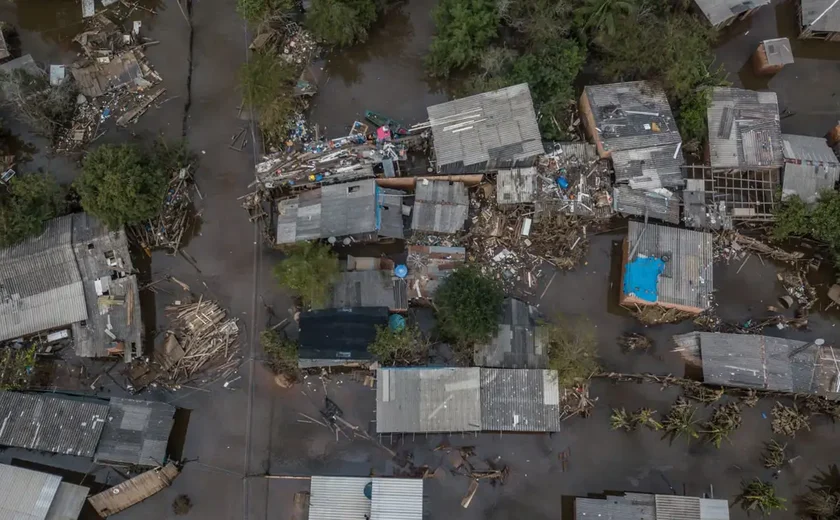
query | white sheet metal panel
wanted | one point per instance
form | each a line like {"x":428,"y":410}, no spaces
{"x":26,"y":494}
{"x":68,"y":502}
{"x":397,"y":499}
{"x":675,"y":507}
{"x":338,"y":498}
{"x":714,"y":509}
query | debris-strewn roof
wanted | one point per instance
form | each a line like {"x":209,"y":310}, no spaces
{"x":429,"y":265}
{"x":633,"y":122}
{"x":520,"y":343}
{"x":49,"y":423}
{"x":642,"y":506}
{"x":136,"y":432}
{"x":661,"y":205}
{"x":687,"y":277}
{"x":744,"y":129}
{"x":762,"y":362}
{"x":368,"y":289}
{"x":68,"y":502}
{"x":516,"y":185}
{"x":133,"y":491}
{"x":440,"y":206}
{"x":485,"y":131}
{"x":343,"y":498}
{"x":428,"y":400}
{"x":338,"y":336}
{"x":811,"y":9}
{"x":26,"y":494}
{"x":520,"y":400}
{"x":719,"y":11}
{"x":810,"y":166}
{"x":778,"y":51}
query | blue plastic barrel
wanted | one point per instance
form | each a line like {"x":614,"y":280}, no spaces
{"x":401,"y":271}
{"x":396,"y":322}
{"x":562,"y":182}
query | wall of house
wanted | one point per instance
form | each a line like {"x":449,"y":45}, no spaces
{"x":589,"y":124}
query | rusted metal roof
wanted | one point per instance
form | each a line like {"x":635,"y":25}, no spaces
{"x":133,"y":491}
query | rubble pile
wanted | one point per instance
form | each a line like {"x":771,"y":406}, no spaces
{"x":299,"y":47}
{"x":511,"y":246}
{"x":167,"y":229}
{"x":731,"y":245}
{"x":574,"y":182}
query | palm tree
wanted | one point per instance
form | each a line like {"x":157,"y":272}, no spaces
{"x":760,"y":495}
{"x":602,"y":14}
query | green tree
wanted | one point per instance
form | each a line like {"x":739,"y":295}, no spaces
{"x":399,"y":347}
{"x":267,"y":83}
{"x":468,"y":305}
{"x":309,"y":270}
{"x":256,"y":11}
{"x":464,"y":30}
{"x":341,"y":22}
{"x":120,"y":185}
{"x":30,"y":200}
{"x":540,"y":21}
{"x":691,"y":118}
{"x":281,"y":353}
{"x":792,"y":218}
{"x":825,"y":218}
{"x":596,"y":16}
{"x":572,"y":350}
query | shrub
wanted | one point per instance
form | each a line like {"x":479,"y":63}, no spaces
{"x":267,"y":83}
{"x":400,"y":347}
{"x":572,"y":350}
{"x":468,"y":305}
{"x":341,"y":22}
{"x":464,"y":29}
{"x":30,"y":200}
{"x":309,"y":270}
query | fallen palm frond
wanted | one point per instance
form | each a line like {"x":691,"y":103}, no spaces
{"x":620,"y":420}
{"x":774,"y":455}
{"x":680,"y":421}
{"x":724,"y":420}
{"x":644,"y":417}
{"x":760,"y":495}
{"x":788,"y":420}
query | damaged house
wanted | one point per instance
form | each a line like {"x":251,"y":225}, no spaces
{"x":721,"y":13}
{"x":667,"y":266}
{"x":357,"y":211}
{"x":810,"y":167}
{"x":373,"y":288}
{"x":521,"y":342}
{"x":429,"y":265}
{"x":76,"y":278}
{"x":819,"y":19}
{"x":485,"y":132}
{"x":763,"y":362}
{"x":440,"y":206}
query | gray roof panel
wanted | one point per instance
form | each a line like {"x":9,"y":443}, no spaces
{"x":26,"y":494}
{"x":397,"y":499}
{"x":812,"y":9}
{"x":516,"y":185}
{"x":744,"y":129}
{"x":778,"y":51}
{"x":521,"y":341}
{"x":68,"y":502}
{"x":640,"y":202}
{"x":368,"y":289}
{"x":136,"y":432}
{"x":810,"y":167}
{"x":520,"y":400}
{"x":719,"y":11}
{"x":440,"y":206}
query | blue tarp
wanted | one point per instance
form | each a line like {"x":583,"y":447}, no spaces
{"x":641,"y":276}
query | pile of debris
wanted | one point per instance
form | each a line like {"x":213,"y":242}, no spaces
{"x":176,"y":216}
{"x":511,"y":245}
{"x":731,"y":245}
{"x":572,"y":179}
{"x":462,"y":461}
{"x":201,"y":340}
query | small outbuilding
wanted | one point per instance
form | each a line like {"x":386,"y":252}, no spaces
{"x":810,"y":167}
{"x":661,"y":204}
{"x":771,"y":56}
{"x":521,"y":342}
{"x":721,"y":13}
{"x":368,"y":289}
{"x":516,"y":185}
{"x":32,"y":495}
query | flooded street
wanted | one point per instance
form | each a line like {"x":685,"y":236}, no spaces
{"x":231,"y":436}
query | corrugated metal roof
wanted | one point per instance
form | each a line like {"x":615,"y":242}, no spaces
{"x":810,"y":167}
{"x":520,"y":342}
{"x":520,"y":400}
{"x":428,"y":400}
{"x":516,"y":185}
{"x":397,"y":499}
{"x":391,"y":223}
{"x":338,"y":336}
{"x":343,"y":498}
{"x":688,"y":276}
{"x":675,"y":507}
{"x":133,"y":491}
{"x":632,"y":506}
{"x":640,"y":202}
{"x":650,"y":167}
{"x":136,"y":432}
{"x":719,"y":11}
{"x":26,"y":494}
{"x":485,"y":131}
{"x":368,"y":289}
{"x":440,"y":206}
{"x":778,"y":51}
{"x":811,"y":9}
{"x":68,"y":502}
{"x":49,"y":423}
{"x":744,"y":129}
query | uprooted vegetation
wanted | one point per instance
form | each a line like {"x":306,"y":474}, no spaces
{"x":47,"y":110}
{"x":281,"y":354}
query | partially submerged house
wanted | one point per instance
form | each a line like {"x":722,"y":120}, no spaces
{"x":771,"y":56}
{"x":763,"y":362}
{"x":336,"y":337}
{"x":819,"y":19}
{"x":134,"y":490}
{"x":32,"y":495}
{"x":721,"y":13}
{"x":667,"y":266}
{"x":428,"y":266}
{"x":521,"y":341}
{"x":76,"y":276}
{"x":135,"y":433}
{"x":365,"y":498}
{"x":485,"y":132}
{"x":356,"y":211}
{"x":378,"y":288}
{"x":643,"y":506}
{"x":810,"y":167}
{"x":744,"y":130}
{"x":632,"y":124}
{"x":660,"y":204}
{"x":448,"y":399}
{"x":440,"y":206}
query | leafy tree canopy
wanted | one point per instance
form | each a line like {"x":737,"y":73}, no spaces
{"x":820,"y":220}
{"x":468,"y":305}
{"x":309,"y":270}
{"x":255,"y":11}
{"x":399,"y":347}
{"x":691,"y":118}
{"x":540,"y":21}
{"x":30,"y":200}
{"x":464,"y":29}
{"x":281,"y":354}
{"x":572,"y":350}
{"x":120,"y":184}
{"x":267,"y":83}
{"x":341,"y":22}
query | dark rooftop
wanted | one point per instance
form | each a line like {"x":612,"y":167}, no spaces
{"x":338,"y":336}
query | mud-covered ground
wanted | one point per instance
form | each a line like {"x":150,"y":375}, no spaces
{"x":252,"y":427}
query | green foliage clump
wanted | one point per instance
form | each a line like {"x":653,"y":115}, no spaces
{"x":602,"y":16}
{"x":761,"y":496}
{"x":820,"y":220}
{"x":281,"y":353}
{"x":468,"y":305}
{"x":120,"y":184}
{"x":309,"y":270}
{"x":341,"y":22}
{"x":30,"y":200}
{"x":792,"y":218}
{"x":572,"y":350}
{"x":256,"y":11}
{"x":267,"y":83}
{"x":539,"y":21}
{"x":691,"y":118}
{"x":464,"y":30}
{"x":16,"y":367}
{"x":399,"y":347}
